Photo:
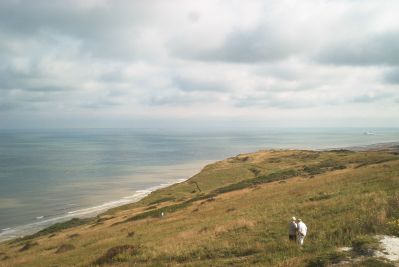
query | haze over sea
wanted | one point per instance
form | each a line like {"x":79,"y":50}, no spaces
{"x":48,"y":176}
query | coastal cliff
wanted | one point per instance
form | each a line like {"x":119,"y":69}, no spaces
{"x":236,"y":212}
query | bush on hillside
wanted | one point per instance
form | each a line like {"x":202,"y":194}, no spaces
{"x":365,"y":245}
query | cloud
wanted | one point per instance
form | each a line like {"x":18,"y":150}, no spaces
{"x":103,"y":29}
{"x":371,"y":97}
{"x":379,"y":49}
{"x":249,"y":46}
{"x":392,"y":76}
{"x":176,"y":99}
{"x":191,"y":85}
{"x":6,"y":106}
{"x":124,"y":60}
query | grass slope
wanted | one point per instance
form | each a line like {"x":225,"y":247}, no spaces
{"x":235,"y":212}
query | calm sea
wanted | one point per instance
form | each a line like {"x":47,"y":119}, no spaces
{"x":48,"y":176}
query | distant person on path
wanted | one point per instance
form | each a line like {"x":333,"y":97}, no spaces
{"x":293,"y":229}
{"x":302,"y":231}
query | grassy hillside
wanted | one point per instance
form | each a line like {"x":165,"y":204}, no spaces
{"x":236,"y":212}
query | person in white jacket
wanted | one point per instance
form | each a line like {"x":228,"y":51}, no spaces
{"x":302,"y":231}
{"x":292,"y":232}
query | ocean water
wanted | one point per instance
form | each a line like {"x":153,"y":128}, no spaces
{"x":48,"y":176}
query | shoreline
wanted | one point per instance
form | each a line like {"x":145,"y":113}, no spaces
{"x":10,"y":233}
{"x":26,"y":229}
{"x":90,"y":212}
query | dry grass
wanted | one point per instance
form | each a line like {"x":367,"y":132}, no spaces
{"x":246,"y":227}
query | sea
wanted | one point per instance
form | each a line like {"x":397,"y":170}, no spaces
{"x":50,"y":176}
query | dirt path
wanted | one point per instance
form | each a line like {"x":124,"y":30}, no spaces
{"x":390,"y":247}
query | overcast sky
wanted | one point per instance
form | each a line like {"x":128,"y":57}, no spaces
{"x":98,"y":63}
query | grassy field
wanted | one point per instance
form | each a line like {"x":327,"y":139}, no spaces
{"x":236,"y":212}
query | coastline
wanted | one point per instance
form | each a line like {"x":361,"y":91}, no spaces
{"x":27,"y":229}
{"x":91,"y":212}
{"x":22,"y":230}
{"x":238,"y":206}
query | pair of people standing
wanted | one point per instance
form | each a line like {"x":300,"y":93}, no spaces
{"x":297,"y":230}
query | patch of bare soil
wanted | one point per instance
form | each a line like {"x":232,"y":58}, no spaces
{"x":64,"y":248}
{"x":389,"y":247}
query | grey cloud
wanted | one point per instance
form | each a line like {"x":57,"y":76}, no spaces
{"x":99,"y":104}
{"x":193,"y":16}
{"x":25,"y":103}
{"x":169,"y":100}
{"x":10,"y":79}
{"x":32,"y":81}
{"x":189,"y":85}
{"x":7,"y":106}
{"x":112,"y":76}
{"x":392,"y":76}
{"x":281,"y":73}
{"x":262,"y":44}
{"x":381,"y":49}
{"x":47,"y":88}
{"x":110,"y":31}
{"x":24,"y":99}
{"x":367,"y":98}
{"x":179,"y":99}
{"x":269,"y":101}
{"x":67,"y":17}
{"x":41,"y":97}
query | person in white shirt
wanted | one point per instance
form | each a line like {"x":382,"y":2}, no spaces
{"x":292,"y":229}
{"x":302,"y":231}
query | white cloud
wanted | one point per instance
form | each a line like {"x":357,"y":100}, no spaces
{"x":132,"y":60}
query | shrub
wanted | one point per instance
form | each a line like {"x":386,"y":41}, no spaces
{"x":393,"y":227}
{"x":393,"y":205}
{"x":321,"y":196}
{"x":255,"y":171}
{"x":370,"y":161}
{"x":115,"y":254}
{"x":373,"y":263}
{"x":273,"y":177}
{"x":365,"y":245}
{"x":157,"y":212}
{"x":64,"y":248}
{"x":164,"y":199}
{"x":327,"y":259}
{"x":322,"y":167}
{"x":27,"y":246}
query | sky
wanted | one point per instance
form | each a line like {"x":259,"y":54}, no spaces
{"x":101,"y":63}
